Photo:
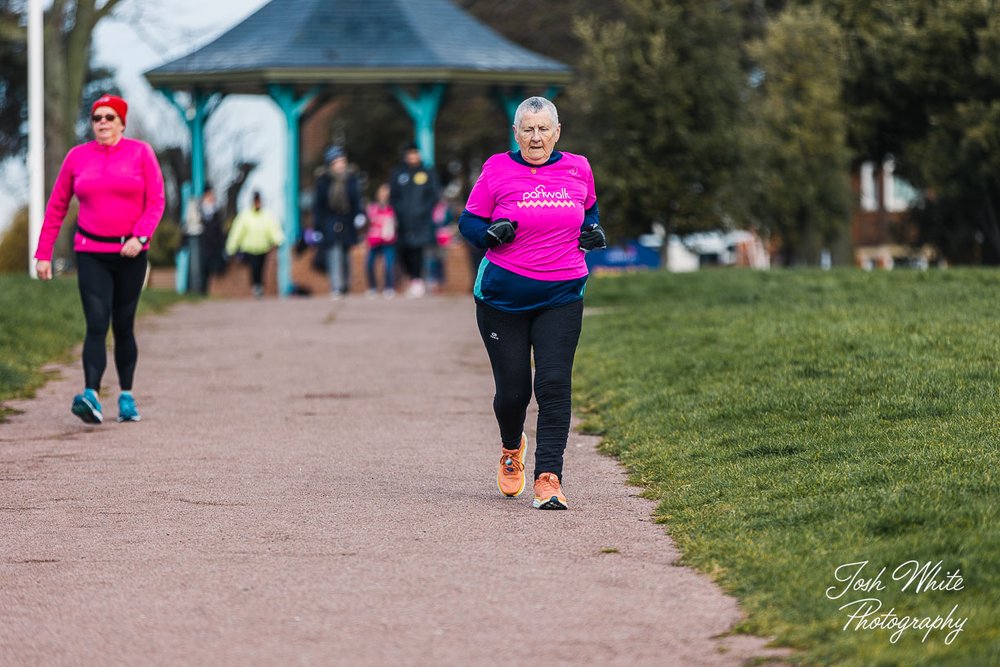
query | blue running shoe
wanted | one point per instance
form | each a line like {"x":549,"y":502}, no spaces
{"x":127,"y":411}
{"x":87,"y":407}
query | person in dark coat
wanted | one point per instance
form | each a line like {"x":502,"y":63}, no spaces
{"x":213,"y":238}
{"x":336,"y":206}
{"x":414,"y":192}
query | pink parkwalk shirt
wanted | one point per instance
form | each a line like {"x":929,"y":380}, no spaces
{"x":548,"y":203}
{"x":120,"y":190}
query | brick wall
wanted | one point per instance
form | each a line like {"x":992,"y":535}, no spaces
{"x":235,"y":283}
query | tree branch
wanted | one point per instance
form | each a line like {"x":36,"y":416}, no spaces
{"x":107,"y":8}
{"x":58,"y":10}
{"x":11,"y":32}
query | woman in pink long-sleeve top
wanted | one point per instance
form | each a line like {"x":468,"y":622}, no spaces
{"x":119,"y":186}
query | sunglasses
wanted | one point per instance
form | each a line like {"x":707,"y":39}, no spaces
{"x":97,"y":118}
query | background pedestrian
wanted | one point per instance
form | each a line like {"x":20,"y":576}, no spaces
{"x":255,"y":232}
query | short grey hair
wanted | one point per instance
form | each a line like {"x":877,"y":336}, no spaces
{"x":535,"y":105}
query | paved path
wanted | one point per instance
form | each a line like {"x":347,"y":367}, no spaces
{"x":313,"y":484}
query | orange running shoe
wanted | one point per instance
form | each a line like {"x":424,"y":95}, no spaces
{"x":548,"y":493}
{"x":510,"y":474}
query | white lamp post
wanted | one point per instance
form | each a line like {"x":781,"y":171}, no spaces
{"x":36,"y":131}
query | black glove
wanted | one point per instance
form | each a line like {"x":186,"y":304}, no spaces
{"x":593,"y":239}
{"x":500,"y":232}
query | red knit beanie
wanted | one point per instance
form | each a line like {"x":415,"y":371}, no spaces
{"x":118,"y":104}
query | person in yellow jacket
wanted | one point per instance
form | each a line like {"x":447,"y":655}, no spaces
{"x":254,"y":232}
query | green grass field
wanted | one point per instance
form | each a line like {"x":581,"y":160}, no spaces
{"x":42,"y":322}
{"x":791,"y":422}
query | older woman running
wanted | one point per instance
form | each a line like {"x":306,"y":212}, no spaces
{"x":535,"y":211}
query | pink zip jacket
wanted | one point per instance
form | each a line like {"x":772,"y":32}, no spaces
{"x":120,"y":190}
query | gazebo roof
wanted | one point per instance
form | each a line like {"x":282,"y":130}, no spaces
{"x":357,"y":41}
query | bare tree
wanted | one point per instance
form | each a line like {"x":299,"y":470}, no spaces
{"x":69,"y":29}
{"x":67,"y":35}
{"x":233,"y":188}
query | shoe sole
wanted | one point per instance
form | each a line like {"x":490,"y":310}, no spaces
{"x":552,"y":503}
{"x":83,"y":409}
{"x":523,"y":451}
{"x":136,"y":418}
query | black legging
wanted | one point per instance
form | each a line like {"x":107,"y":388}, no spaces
{"x":256,"y":263}
{"x":110,"y":286}
{"x":413,"y":260}
{"x":553,"y":333}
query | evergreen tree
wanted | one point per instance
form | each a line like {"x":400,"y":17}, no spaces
{"x":663,"y":90}
{"x":799,"y":175}
{"x":13,"y":81}
{"x":951,"y":58}
{"x":922,"y":84}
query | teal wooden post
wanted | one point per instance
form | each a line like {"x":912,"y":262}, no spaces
{"x":510,"y":100}
{"x":194,"y":117}
{"x":182,"y":260}
{"x":292,"y":107}
{"x":203,"y":105}
{"x":423,"y":110}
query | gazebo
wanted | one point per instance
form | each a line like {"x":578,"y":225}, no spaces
{"x":295,"y":50}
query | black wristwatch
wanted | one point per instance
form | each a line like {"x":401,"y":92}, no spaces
{"x":143,"y":239}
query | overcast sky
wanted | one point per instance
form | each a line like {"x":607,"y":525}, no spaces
{"x":143,"y":35}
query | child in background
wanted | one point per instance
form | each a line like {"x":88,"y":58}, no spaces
{"x":381,"y":241}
